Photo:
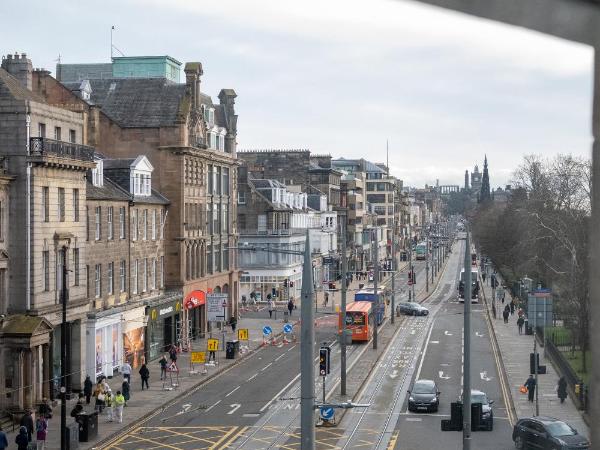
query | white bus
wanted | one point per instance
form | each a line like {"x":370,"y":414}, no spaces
{"x":474,"y":285}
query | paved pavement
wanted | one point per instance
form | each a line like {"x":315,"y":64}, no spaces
{"x":515,"y":350}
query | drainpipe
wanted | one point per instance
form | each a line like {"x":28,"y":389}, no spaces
{"x":28,"y":220}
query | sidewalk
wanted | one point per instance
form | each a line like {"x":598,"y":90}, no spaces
{"x":514,"y":354}
{"x":145,"y":403}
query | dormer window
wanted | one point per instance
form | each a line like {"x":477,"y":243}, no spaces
{"x":98,"y":174}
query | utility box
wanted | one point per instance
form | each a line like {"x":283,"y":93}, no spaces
{"x":232,"y":349}
{"x":88,"y":426}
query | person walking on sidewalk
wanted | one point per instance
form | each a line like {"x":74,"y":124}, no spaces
{"x":163,"y":367}
{"x":520,"y":322}
{"x":530,"y":385}
{"x":512,"y":307}
{"x":290,"y":306}
{"x":119,"y":403}
{"x":145,"y":374}
{"x":3,"y":439}
{"x":41,"y":431}
{"x":87,"y":389}
{"x":173,"y":353}
{"x":561,"y":389}
{"x":109,"y":401}
{"x":126,"y":370}
{"x":233,"y":323}
{"x":125,"y":391}
{"x":27,"y":422}
{"x":505,"y":314}
{"x":21,"y":440}
{"x":270,"y":306}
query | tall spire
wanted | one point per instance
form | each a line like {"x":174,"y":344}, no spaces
{"x":466,"y":180}
{"x":484,"y":195}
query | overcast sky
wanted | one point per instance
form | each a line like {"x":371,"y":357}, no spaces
{"x":342,"y":76}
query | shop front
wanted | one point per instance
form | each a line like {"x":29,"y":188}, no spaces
{"x":104,"y":353}
{"x":163,"y":327}
{"x":194,"y":306}
{"x":134,"y":333}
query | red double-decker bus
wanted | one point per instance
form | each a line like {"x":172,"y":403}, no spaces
{"x":359,"y":321}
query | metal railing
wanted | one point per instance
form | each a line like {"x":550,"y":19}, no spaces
{"x":564,"y":368}
{"x":40,"y":146}
{"x":281,"y":232}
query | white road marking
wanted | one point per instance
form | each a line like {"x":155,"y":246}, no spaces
{"x":232,"y":391}
{"x":253,"y":377}
{"x":484,"y":376}
{"x":434,"y":342}
{"x":441,"y":375}
{"x":213,"y":405}
{"x":279,"y":357}
{"x":251,"y":415}
{"x":235,"y":407}
{"x":414,"y":419}
{"x":286,"y":387}
{"x":425,"y":350}
{"x":447,"y":333}
{"x":266,"y":367}
{"x":292,"y":348}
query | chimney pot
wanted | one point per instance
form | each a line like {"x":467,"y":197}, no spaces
{"x":23,"y":55}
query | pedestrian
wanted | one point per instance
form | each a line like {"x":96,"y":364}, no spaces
{"x":99,"y":395}
{"x":163,"y":367}
{"x":119,"y":403}
{"x":530,"y":385}
{"x":326,"y":299}
{"x":109,"y":405}
{"x":290,"y":306}
{"x":512,"y":307}
{"x":126,"y":371}
{"x":125,"y":391}
{"x":483,"y":276}
{"x":27,"y":422}
{"x":270,"y":306}
{"x":41,"y":431}
{"x":145,"y":374}
{"x":87,"y":389}
{"x":244,"y":301}
{"x":21,"y":440}
{"x":212,"y":356}
{"x":561,"y":389}
{"x":233,"y":323}
{"x":78,"y":409}
{"x":173,"y":353}
{"x":3,"y":439}
{"x":520,"y":322}
{"x":505,"y":315}
{"x":45,"y":409}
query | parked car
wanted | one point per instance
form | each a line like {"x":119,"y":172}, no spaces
{"x":487,"y":414}
{"x":547,"y":433}
{"x":412,"y":309}
{"x":424,"y":396}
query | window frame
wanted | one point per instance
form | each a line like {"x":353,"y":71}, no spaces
{"x":122,"y":219}
{"x":111,"y":278}
{"x":98,"y":223}
{"x":122,"y":276}
{"x":110,"y":224}
{"x":61,"y":204}
{"x":98,"y":281}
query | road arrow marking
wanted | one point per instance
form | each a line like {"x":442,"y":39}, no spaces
{"x":394,"y":374}
{"x":235,"y":407}
{"x":186,"y":407}
{"x":434,"y":342}
{"x":478,"y":334}
{"x":441,"y":374}
{"x":447,"y":333}
{"x":484,"y":376}
{"x":413,"y":331}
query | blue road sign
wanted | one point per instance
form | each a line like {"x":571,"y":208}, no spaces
{"x":326,"y":412}
{"x":267,"y":330}
{"x":287,"y":328}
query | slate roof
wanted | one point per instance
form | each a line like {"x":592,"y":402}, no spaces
{"x":110,"y":191}
{"x":137,"y":102}
{"x":118,"y":163}
{"x":156,"y":198}
{"x":16,"y":89}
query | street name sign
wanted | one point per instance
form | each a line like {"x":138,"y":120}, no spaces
{"x":216,"y":307}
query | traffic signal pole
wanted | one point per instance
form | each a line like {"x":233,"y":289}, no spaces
{"x":375,"y":280}
{"x":467,"y":349}
{"x":307,"y":369}
{"x":343,"y":311}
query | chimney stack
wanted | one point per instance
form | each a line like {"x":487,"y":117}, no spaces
{"x":19,"y":67}
{"x":193,"y":73}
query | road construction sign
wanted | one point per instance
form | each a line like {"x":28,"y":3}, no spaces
{"x":198,"y":357}
{"x":243,"y":334}
{"x":212,"y":345}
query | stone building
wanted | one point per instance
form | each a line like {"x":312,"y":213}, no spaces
{"x":49,"y":159}
{"x":192,"y":143}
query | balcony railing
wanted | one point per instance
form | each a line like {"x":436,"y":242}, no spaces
{"x":282,"y":232}
{"x":39,"y":146}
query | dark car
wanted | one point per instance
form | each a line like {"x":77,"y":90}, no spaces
{"x":424,"y":396}
{"x":487,"y":413}
{"x":412,"y":309}
{"x":547,"y":433}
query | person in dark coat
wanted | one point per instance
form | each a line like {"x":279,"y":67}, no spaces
{"x":505,"y":315}
{"x":233,"y":323}
{"x":520,"y":322}
{"x":22,"y":440}
{"x":145,"y":374}
{"x":45,"y":410}
{"x":530,"y":385}
{"x":290,"y":306}
{"x":512,"y":307}
{"x":3,"y":439}
{"x":163,"y":367}
{"x":125,"y":391}
{"x":561,"y":389}
{"x":27,"y":422}
{"x":87,"y":389}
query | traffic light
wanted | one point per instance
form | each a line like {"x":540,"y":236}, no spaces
{"x":291,"y":284}
{"x":410,"y":281}
{"x":324,"y":353}
{"x":285,"y":283}
{"x":414,"y":277}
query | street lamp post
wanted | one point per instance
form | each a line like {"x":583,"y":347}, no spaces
{"x":467,"y":349}
{"x":63,"y":353}
{"x":343,"y":310}
{"x":375,"y":280}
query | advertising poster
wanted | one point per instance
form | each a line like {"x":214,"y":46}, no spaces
{"x":133,"y":346}
{"x":98,"y":351}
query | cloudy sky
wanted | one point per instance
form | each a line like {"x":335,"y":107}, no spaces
{"x":343,"y":76}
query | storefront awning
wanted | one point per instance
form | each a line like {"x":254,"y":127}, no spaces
{"x":194,"y":299}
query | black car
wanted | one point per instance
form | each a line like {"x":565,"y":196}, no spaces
{"x":547,"y":433}
{"x":412,"y":309}
{"x":424,"y":396}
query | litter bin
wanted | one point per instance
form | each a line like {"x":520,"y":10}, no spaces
{"x":72,"y":436}
{"x":88,"y":426}
{"x":528,"y":328}
{"x":232,"y":348}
